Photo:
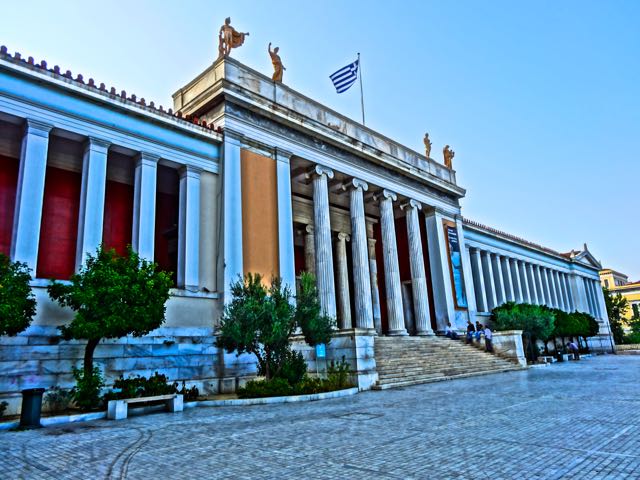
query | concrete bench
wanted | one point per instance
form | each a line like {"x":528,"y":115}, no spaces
{"x":547,"y":359}
{"x":118,"y":409}
{"x":565,"y":357}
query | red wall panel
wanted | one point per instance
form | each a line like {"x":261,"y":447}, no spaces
{"x":167,"y":206}
{"x":8,"y":182}
{"x":118,"y":216}
{"x":59,"y":229}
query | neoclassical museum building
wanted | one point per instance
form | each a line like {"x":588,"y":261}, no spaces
{"x":244,"y":174}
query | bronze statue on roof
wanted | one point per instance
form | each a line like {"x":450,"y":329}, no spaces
{"x":448,"y":155}
{"x":278,"y":68}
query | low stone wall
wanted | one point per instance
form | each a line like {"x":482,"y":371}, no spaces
{"x":508,"y":344}
{"x":357,"y":348}
{"x":623,"y":348}
{"x":39,"y":358}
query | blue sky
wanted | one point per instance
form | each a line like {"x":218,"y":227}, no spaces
{"x":539,"y":99}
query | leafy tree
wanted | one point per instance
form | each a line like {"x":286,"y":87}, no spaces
{"x":535,"y":321}
{"x":617,"y":307}
{"x":113,"y":296}
{"x":261,"y":320}
{"x":17,"y":302}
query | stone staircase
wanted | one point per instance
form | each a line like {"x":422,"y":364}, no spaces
{"x":402,"y":361}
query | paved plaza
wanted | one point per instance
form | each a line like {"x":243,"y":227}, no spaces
{"x":576,"y":420}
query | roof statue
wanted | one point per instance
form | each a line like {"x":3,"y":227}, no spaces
{"x":448,"y":155}
{"x":229,"y":38}
{"x":427,"y":145}
{"x":278,"y":68}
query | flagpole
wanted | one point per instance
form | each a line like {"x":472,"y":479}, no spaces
{"x":361,"y":93}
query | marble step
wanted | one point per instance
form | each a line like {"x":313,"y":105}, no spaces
{"x":436,"y":378}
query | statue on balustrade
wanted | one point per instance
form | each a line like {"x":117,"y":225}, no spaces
{"x":229,"y":38}
{"x":448,"y":156}
{"x":427,"y":145}
{"x":278,"y":68}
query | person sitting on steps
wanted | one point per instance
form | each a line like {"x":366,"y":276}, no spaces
{"x":471,"y":330}
{"x":449,"y":332}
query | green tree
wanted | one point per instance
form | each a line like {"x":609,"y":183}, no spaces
{"x":112,"y":296}
{"x":17,"y":302}
{"x":617,"y":307}
{"x":535,"y":321}
{"x":261,"y":320}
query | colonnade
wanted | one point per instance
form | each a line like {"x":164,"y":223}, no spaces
{"x":30,"y":198}
{"x":499,"y":278}
{"x":333,"y":286}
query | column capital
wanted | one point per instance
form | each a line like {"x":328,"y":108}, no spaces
{"x":309,"y":229}
{"x":385,"y":195}
{"x":189,"y":171}
{"x":411,"y":204}
{"x":36,"y":127}
{"x":144,"y":158}
{"x":96,"y":144}
{"x":354,"y":184}
{"x":318,"y":171}
{"x":344,"y":236}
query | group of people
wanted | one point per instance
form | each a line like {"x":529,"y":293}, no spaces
{"x":476,"y":331}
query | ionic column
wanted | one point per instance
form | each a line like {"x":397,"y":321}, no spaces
{"x":508,"y":281}
{"x":188,"y":274}
{"x":418,"y":274}
{"x":556,"y":281}
{"x":309,"y":250}
{"x":567,"y":286}
{"x":375,"y":291}
{"x":542,"y":294}
{"x":516,"y":277}
{"x":324,"y":253}
{"x":532,"y":284}
{"x":391,"y":267}
{"x":565,"y":294}
{"x":478,"y":279}
{"x":499,"y":280}
{"x":144,"y":205}
{"x":545,"y":285}
{"x":342,"y":280}
{"x":492,"y":301}
{"x":30,"y":194}
{"x":524,"y":280}
{"x":92,"y":192}
{"x":360,"y":256}
{"x":286,"y":258}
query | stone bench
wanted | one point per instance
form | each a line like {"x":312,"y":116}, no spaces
{"x":565,"y":357}
{"x":547,"y":359}
{"x":118,"y":409}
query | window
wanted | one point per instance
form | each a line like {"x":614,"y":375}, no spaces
{"x":606,"y":283}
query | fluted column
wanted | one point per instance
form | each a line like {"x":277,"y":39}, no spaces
{"x":92,"y":194}
{"x":532,"y":284}
{"x":309,"y":250}
{"x":324,"y":253}
{"x":571,"y":303}
{"x":508,"y":281}
{"x":527,"y":298}
{"x":499,"y":279}
{"x":545,"y":286}
{"x":541,"y":292}
{"x":418,"y":274}
{"x":391,"y":267}
{"x":360,"y":256}
{"x":556,"y":281}
{"x":344,"y":300}
{"x":478,"y":279}
{"x":30,"y":194}
{"x":517,"y":284}
{"x":144,"y":205}
{"x":375,"y":291}
{"x":492,"y":302}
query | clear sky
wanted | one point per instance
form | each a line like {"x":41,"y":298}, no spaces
{"x":539,"y":99}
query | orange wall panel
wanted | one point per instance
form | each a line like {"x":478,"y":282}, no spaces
{"x":259,"y":215}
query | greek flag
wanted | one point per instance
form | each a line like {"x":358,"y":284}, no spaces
{"x":345,"y":77}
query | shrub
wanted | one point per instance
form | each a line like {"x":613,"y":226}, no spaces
{"x":261,"y":320}
{"x":535,"y":321}
{"x":17,"y":302}
{"x":189,"y":394}
{"x":338,"y":374}
{"x":58,"y":399}
{"x":113,"y":296}
{"x":136,"y":387}
{"x":86,"y":393}
{"x":290,"y":365}
{"x":275,"y":387}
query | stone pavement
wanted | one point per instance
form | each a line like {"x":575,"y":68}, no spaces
{"x":576,"y":420}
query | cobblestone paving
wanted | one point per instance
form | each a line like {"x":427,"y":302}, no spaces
{"x":577,"y":420}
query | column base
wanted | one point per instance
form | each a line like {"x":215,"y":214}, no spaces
{"x":425,"y":333}
{"x":398,"y":333}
